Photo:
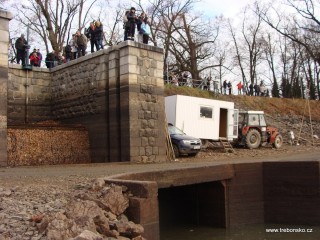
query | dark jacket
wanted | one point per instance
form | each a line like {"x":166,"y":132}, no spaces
{"x":131,"y":17}
{"x":98,"y":32}
{"x":91,"y":34}
{"x":21,"y":43}
{"x":139,"y":22}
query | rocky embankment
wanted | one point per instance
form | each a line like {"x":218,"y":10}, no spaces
{"x":88,"y":211}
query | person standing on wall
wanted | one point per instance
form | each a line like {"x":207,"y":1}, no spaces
{"x":34,"y":59}
{"x":126,"y":26}
{"x":81,"y":44}
{"x":146,"y":30}
{"x":98,"y":33}
{"x":40,"y":57}
{"x":139,"y":23}
{"x":73,"y":44}
{"x":21,"y":45}
{"x":132,"y":18}
{"x":51,"y":59}
{"x":90,"y":34}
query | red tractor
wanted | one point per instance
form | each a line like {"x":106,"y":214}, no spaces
{"x":254,"y":132}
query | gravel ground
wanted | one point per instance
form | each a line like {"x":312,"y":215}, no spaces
{"x":26,"y":192}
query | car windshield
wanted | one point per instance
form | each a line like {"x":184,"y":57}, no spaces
{"x":175,"y":131}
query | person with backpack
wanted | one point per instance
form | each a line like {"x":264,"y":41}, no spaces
{"x":81,"y":41}
{"x":146,"y":30}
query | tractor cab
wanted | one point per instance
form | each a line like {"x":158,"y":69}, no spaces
{"x":252,"y":118}
{"x":254,"y":132}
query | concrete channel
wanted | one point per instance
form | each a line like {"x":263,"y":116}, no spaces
{"x":226,"y":195}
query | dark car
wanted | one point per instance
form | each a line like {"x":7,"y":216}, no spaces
{"x":182,"y":143}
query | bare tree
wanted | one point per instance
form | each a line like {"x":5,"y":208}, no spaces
{"x":238,"y":56}
{"x":301,"y":27}
{"x":270,"y":53}
{"x":51,"y":20}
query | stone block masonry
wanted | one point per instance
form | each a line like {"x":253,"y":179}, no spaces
{"x":5,"y":17}
{"x":141,"y":85}
{"x":29,"y":95}
{"x":116,"y":93}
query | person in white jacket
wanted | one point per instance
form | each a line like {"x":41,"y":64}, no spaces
{"x":146,"y":30}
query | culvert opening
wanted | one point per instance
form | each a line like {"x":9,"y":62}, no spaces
{"x":198,"y":205}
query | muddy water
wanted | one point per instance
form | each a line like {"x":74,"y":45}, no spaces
{"x":251,"y":232}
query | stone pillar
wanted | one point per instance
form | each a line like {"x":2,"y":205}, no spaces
{"x":5,"y":17}
{"x":142,"y":116}
{"x":114,"y":107}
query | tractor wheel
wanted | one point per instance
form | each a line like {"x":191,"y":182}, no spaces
{"x":278,"y":141}
{"x":253,"y":139}
{"x":176,"y":150}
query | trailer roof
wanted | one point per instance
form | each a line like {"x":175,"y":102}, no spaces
{"x":252,"y":112}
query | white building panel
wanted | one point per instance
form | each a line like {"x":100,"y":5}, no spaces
{"x":200,"y":117}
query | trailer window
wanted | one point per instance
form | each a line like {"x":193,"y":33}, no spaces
{"x":206,"y":112}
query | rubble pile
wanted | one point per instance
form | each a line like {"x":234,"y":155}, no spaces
{"x":91,"y":211}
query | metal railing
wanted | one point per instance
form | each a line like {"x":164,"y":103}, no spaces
{"x":204,"y":84}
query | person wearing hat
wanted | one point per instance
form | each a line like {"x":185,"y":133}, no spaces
{"x":34,"y":51}
{"x":132,"y":18}
{"x":21,"y":45}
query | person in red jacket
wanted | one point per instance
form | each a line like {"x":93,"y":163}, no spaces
{"x":239,"y":85}
{"x":34,"y":59}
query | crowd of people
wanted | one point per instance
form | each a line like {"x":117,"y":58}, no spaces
{"x":131,"y":22}
{"x":207,"y":83}
{"x":94,"y":34}
{"x":253,"y":89}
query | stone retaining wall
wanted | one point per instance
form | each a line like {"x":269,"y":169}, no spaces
{"x":116,"y":93}
{"x":5,"y":17}
{"x":29,"y":95}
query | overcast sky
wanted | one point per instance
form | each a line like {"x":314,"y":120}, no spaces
{"x":228,"y":8}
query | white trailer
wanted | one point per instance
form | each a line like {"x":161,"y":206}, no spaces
{"x":206,"y":119}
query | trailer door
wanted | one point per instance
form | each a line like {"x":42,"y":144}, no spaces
{"x":233,"y":122}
